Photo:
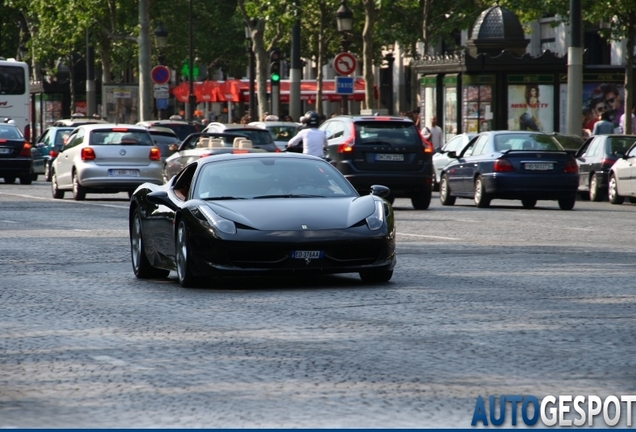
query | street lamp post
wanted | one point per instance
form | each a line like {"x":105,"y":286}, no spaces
{"x":161,"y":41}
{"x":251,"y":71}
{"x":390,"y":60}
{"x":192,"y":99}
{"x":344,"y":18}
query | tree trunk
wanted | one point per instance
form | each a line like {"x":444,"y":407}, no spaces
{"x":367,"y":52}
{"x":319,"y":60}
{"x":629,"y":74}
{"x":104,"y":53}
{"x":145,"y":86}
{"x":262,"y":58}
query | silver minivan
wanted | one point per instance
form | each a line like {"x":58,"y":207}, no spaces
{"x":106,"y":158}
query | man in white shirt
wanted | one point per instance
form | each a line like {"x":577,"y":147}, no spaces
{"x":434,"y":134}
{"x":622,"y":122}
{"x":314,"y":140}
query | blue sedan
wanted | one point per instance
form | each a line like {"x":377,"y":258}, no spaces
{"x":517,"y":165}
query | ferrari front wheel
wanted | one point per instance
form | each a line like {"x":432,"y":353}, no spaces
{"x":184,"y":263}
{"x":141,"y":265}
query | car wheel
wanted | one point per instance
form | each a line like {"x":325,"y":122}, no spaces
{"x":434,"y":184}
{"x":567,"y":203}
{"x":632,"y":200}
{"x":79,"y":193}
{"x":612,"y":192}
{"x":529,"y":203}
{"x":47,"y":172}
{"x":34,"y":177}
{"x":444,"y":192}
{"x":184,"y":270}
{"x":376,"y":276}
{"x":9,"y":180}
{"x":141,"y":266}
{"x":55,"y":190}
{"x":422,"y":199}
{"x":26,"y":179}
{"x":482,"y":199}
{"x":594,"y":191}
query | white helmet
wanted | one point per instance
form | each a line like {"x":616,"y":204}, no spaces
{"x":11,"y":122}
{"x":271,"y":117}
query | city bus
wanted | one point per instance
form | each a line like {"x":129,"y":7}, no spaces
{"x":15,"y":97}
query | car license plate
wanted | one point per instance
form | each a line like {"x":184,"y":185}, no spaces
{"x":389,"y":157}
{"x":123,"y":172}
{"x":306,"y":254}
{"x":5,"y":150}
{"x":538,"y":166}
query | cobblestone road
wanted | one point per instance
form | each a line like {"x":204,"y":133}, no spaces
{"x":483,"y":302}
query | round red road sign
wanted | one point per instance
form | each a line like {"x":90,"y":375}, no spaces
{"x":344,"y":63}
{"x":160,"y":74}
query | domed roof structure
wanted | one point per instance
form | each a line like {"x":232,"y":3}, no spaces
{"x":495,"y":30}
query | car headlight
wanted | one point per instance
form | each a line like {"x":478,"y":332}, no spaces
{"x":376,"y":220}
{"x":216,"y":221}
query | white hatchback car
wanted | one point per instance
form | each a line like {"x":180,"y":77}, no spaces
{"x":622,"y":177}
{"x":106,"y":158}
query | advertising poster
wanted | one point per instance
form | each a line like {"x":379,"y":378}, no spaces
{"x":531,"y":107}
{"x":450,"y":113}
{"x":599,"y":98}
{"x":477,"y":112}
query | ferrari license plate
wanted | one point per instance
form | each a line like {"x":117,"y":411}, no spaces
{"x":538,"y":166}
{"x":307,"y":254}
{"x":123,"y":172}
{"x":389,"y":157}
{"x":5,"y":150}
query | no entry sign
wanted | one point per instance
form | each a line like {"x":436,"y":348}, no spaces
{"x":160,"y":74}
{"x":344,"y":63}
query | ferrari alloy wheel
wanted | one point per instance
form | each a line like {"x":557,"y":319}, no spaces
{"x":444,"y":192}
{"x":567,"y":203}
{"x":482,"y":199}
{"x":528,"y":203}
{"x":612,"y":193}
{"x":595,"y":194}
{"x":184,"y":271}
{"x":422,"y":199}
{"x":55,"y":190}
{"x":376,"y":276}
{"x":141,"y":265}
{"x":79,"y":193}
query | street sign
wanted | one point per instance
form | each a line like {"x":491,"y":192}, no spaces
{"x":160,"y":74}
{"x":162,"y":103}
{"x":344,"y":63}
{"x":162,"y":91}
{"x":344,"y":85}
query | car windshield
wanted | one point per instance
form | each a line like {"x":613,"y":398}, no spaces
{"x":257,"y":136}
{"x":619,"y":144}
{"x":61,"y":135}
{"x":376,"y":131}
{"x":120,"y":137}
{"x":270,"y":178}
{"x":182,"y":130}
{"x":10,"y":132}
{"x":504,"y":142}
{"x":283,"y":133}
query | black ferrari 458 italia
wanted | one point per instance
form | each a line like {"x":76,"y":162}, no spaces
{"x":245,"y":214}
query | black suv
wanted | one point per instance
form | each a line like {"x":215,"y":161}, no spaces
{"x":389,"y":151}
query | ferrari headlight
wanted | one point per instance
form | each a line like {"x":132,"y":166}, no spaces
{"x":218,"y":222}
{"x":376,"y":220}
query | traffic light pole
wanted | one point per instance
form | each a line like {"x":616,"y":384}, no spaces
{"x":274,"y":79}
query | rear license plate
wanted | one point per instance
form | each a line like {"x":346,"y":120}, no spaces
{"x":389,"y":157}
{"x":538,"y":166}
{"x":307,"y":254}
{"x":5,"y":150}
{"x":123,"y":172}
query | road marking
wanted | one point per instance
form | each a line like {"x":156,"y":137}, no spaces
{"x":7,"y":221}
{"x":110,"y":360}
{"x":580,"y":229}
{"x":429,"y":236}
{"x":62,"y":201}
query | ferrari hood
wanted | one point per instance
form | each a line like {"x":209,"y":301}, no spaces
{"x":284,"y":214}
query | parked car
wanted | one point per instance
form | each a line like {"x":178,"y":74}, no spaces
{"x":166,"y":139}
{"x":105,"y":158}
{"x":526,"y":166}
{"x":595,"y":158}
{"x":441,"y":159}
{"x":260,"y":213}
{"x":16,"y":158}
{"x":281,"y":130}
{"x":390,"y":151}
{"x":261,"y":138}
{"x":46,"y":149}
{"x":205,"y":144}
{"x":180,"y":127}
{"x":622,"y":177}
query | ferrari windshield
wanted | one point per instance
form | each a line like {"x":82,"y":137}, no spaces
{"x":271,"y":178}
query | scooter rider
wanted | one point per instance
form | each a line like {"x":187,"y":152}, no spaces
{"x":314,"y":141}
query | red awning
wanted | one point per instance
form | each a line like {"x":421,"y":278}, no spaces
{"x":236,"y":90}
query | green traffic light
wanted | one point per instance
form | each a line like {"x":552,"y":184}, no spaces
{"x":275,"y":77}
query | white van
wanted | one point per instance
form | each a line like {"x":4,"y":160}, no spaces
{"x":15,"y":98}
